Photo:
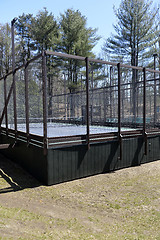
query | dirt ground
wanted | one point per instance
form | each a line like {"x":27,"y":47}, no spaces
{"x":121,"y":205}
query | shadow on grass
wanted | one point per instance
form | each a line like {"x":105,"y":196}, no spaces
{"x":14,"y":176}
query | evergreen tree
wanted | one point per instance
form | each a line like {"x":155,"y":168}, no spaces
{"x":135,"y":30}
{"x":23,"y":31}
{"x":135,"y":34}
{"x":76,"y":39}
{"x":45,"y":31}
{"x":5,"y":49}
{"x":155,"y":48}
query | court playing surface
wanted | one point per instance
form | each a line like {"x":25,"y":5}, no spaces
{"x":64,"y":129}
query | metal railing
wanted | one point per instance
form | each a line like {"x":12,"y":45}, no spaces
{"x":89,"y":97}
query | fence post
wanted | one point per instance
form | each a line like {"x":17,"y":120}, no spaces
{"x":5,"y":104}
{"x":110,"y":78}
{"x":144,"y":100}
{"x":44,"y":86}
{"x":1,"y":123}
{"x":65,"y":96}
{"x":155,"y":91}
{"x":14,"y":78}
{"x":144,"y":110}
{"x":87,"y":101}
{"x":119,"y":110}
{"x":26,"y":101}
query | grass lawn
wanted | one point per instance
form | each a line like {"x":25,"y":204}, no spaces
{"x":121,"y":205}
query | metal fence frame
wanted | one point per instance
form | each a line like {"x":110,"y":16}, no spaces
{"x":87,"y":139}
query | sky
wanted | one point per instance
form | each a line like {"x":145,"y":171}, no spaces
{"x":99,"y":13}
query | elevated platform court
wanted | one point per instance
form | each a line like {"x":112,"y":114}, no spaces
{"x":60,"y":131}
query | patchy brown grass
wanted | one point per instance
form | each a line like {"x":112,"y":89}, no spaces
{"x":121,"y":205}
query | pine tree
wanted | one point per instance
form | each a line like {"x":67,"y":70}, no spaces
{"x":45,"y":31}
{"x":135,"y":30}
{"x":5,"y":48}
{"x":76,"y":39}
{"x":135,"y":35}
{"x":155,"y":49}
{"x":23,"y":31}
